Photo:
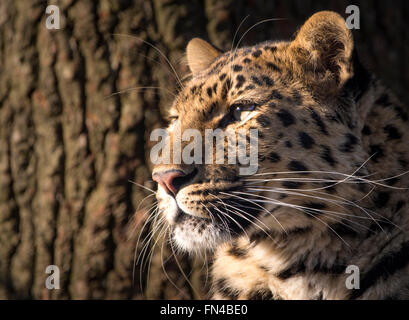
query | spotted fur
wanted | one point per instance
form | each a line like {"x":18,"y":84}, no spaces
{"x":330,"y":190}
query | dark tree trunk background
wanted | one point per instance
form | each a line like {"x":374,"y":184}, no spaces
{"x":67,"y":149}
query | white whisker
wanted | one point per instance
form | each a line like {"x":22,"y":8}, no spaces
{"x":157,"y":49}
{"x":256,"y":204}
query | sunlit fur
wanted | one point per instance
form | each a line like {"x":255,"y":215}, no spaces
{"x":331,"y":186}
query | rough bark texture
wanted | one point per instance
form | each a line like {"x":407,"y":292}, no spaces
{"x":68,"y":148}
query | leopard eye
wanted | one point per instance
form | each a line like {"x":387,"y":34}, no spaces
{"x":242,"y":111}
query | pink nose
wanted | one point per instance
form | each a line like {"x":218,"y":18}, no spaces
{"x":167,"y":180}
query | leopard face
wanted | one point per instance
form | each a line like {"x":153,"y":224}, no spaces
{"x":300,"y":97}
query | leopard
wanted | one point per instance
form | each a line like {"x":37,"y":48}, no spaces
{"x":326,"y":215}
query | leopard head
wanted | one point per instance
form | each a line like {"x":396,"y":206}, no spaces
{"x":300,"y":97}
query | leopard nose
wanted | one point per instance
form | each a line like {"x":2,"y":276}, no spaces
{"x":170,"y":180}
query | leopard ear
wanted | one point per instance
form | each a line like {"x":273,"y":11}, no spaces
{"x":200,"y":55}
{"x":322,"y":51}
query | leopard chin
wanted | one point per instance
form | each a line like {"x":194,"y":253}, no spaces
{"x":190,"y":231}
{"x":196,"y":235}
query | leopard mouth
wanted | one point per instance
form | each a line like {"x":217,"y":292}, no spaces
{"x":194,"y":233}
{"x":181,"y":215}
{"x":205,"y":223}
{"x":231,"y":214}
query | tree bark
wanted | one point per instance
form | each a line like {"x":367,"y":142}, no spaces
{"x":69,"y":146}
